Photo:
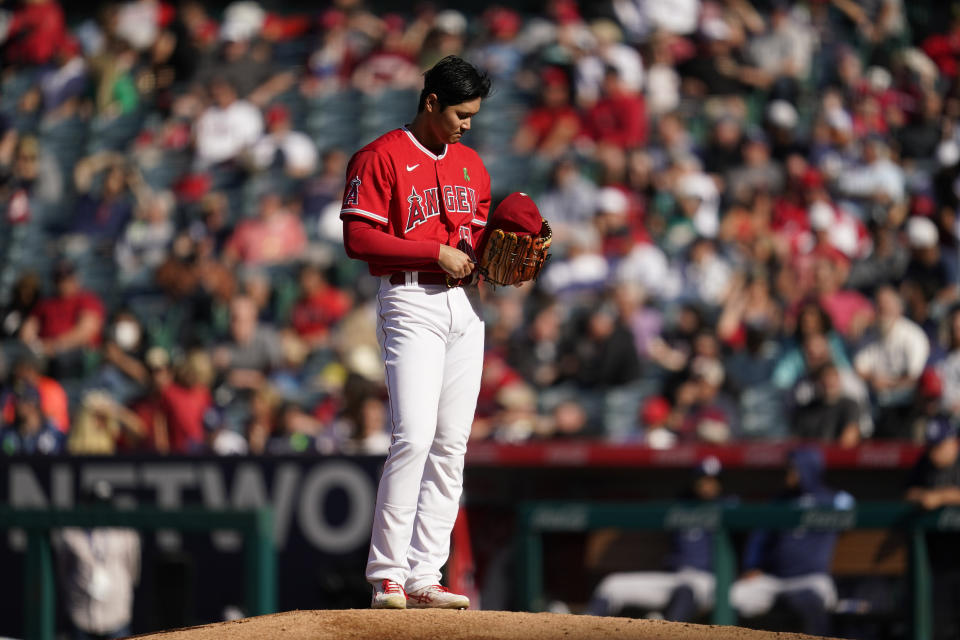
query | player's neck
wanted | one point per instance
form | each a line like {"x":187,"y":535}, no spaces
{"x":421,"y":131}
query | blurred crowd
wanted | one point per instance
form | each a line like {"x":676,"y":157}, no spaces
{"x":754,"y":207}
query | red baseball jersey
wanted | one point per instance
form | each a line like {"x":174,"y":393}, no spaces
{"x":414,"y":194}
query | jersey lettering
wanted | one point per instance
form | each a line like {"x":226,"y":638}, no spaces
{"x":458,"y":199}
{"x":352,"y":196}
{"x":431,"y":201}
{"x":463,"y":199}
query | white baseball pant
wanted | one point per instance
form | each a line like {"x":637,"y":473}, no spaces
{"x":432,"y":341}
{"x":755,"y":596}
{"x":651,"y":590}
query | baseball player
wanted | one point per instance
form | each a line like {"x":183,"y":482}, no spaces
{"x":688,"y":588}
{"x":412,"y":197}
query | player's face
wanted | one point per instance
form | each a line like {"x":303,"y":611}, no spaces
{"x":452,"y":122}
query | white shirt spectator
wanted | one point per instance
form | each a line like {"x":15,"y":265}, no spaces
{"x":590,"y":71}
{"x":570,"y":204}
{"x":647,"y":265}
{"x":675,"y":16}
{"x":139,"y":23}
{"x":900,"y":352}
{"x":662,"y":89}
{"x":789,"y":45}
{"x":881,"y":176}
{"x":299,"y":152}
{"x":225,"y":133}
{"x":707,"y":279}
{"x":949,"y":370}
{"x":144,"y":245}
{"x":706,"y":220}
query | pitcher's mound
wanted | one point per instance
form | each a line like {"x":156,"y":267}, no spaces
{"x":361,"y":624}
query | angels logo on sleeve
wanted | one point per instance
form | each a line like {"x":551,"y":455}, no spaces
{"x":353,"y":193}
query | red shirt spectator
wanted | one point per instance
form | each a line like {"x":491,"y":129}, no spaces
{"x":550,"y":127}
{"x":619,"y":118}
{"x":275,"y":236}
{"x":69,"y":320}
{"x":183,"y":408}
{"x":35,"y":33}
{"x":186,"y":400}
{"x":53,"y":404}
{"x":320,"y":306}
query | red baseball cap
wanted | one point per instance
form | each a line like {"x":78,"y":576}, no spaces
{"x":277,"y":113}
{"x":518,"y":213}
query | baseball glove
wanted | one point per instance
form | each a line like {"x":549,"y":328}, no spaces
{"x":510,"y":258}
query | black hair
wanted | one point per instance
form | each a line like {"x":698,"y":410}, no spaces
{"x":454,"y":80}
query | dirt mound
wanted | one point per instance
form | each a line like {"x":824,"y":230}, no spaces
{"x":360,"y":624}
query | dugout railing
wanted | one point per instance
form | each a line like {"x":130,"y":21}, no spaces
{"x":256,"y":527}
{"x":534,"y":519}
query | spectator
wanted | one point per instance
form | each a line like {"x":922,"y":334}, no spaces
{"x":149,"y":406}
{"x":31,"y":181}
{"x":23,"y":298}
{"x":605,"y":356}
{"x":62,"y":326}
{"x":392,"y":65}
{"x":33,"y":32}
{"x":100,"y":425}
{"x":251,"y":351}
{"x":122,"y":372}
{"x":146,"y":240}
{"x":184,"y":403}
{"x":608,"y":53}
{"x":243,"y":60}
{"x":283,"y":147}
{"x":792,"y":568}
{"x":662,"y":85}
{"x":949,"y":367}
{"x":30,"y":432}
{"x":320,"y":307}
{"x":935,"y":483}
{"x":228,"y":127}
{"x":101,"y":217}
{"x":700,"y":411}
{"x":757,"y":173}
{"x":536,"y":350}
{"x":785,"y":52}
{"x":828,"y":415}
{"x":506,"y":405}
{"x":569,"y":201}
{"x":116,"y":90}
{"x":275,"y":236}
{"x":892,"y":363}
{"x":928,"y":272}
{"x":619,"y":116}
{"x":66,"y":84}
{"x":686,"y":588}
{"x":850,"y":311}
{"x":877,"y":181}
{"x":549,"y":128}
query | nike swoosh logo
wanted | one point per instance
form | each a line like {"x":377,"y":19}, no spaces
{"x":411,"y":167}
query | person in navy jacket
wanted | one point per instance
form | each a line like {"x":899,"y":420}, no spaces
{"x":686,"y":589}
{"x":791,"y":568}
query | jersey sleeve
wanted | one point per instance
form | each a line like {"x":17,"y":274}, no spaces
{"x":367,"y":191}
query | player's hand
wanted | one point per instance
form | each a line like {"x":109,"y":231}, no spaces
{"x":455,"y":262}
